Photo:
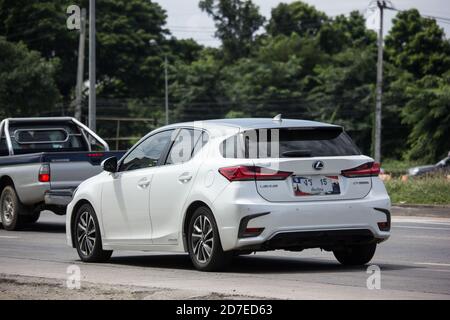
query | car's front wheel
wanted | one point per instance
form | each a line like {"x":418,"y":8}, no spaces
{"x":88,"y":241}
{"x":356,"y":255}
{"x":205,"y":249}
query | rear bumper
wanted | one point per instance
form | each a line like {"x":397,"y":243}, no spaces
{"x":58,"y":197}
{"x":314,"y":224}
{"x":327,"y":239}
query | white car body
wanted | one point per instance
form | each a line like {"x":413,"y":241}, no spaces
{"x":146,"y":209}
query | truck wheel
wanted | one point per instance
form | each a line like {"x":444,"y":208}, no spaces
{"x":88,"y":240}
{"x":205,"y":249}
{"x":10,"y":209}
{"x":356,"y":255}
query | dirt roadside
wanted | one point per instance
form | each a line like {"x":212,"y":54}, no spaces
{"x":14,"y":287}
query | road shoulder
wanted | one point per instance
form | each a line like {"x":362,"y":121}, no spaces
{"x":438,"y":211}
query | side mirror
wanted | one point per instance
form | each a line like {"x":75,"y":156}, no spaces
{"x":110,"y":164}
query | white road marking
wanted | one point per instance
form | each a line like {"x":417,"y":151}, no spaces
{"x":433,"y":264}
{"x":440,"y":221}
{"x":9,"y":237}
{"x":429,"y":228}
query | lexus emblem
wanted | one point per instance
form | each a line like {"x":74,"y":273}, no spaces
{"x":318,"y":165}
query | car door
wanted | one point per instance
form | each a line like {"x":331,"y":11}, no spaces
{"x":172,"y":183}
{"x":125,"y":194}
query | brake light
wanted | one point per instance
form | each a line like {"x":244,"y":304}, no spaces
{"x":248,"y":173}
{"x":44,"y":173}
{"x":369,"y":169}
{"x":94,"y":155}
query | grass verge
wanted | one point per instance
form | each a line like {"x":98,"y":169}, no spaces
{"x":426,"y":190}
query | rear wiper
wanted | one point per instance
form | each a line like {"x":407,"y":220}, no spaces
{"x":297,"y":153}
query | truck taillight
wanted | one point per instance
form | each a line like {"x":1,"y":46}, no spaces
{"x":369,"y":169}
{"x":44,"y":173}
{"x":248,"y":173}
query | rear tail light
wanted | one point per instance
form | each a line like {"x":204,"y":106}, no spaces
{"x":369,"y":169}
{"x":95,"y":155}
{"x":44,"y":173}
{"x":248,"y":173}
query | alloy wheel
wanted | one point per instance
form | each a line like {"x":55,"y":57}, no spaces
{"x":202,"y":238}
{"x":86,"y":233}
{"x":8,"y":209}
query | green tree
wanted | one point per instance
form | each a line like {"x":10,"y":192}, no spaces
{"x":27,"y":85}
{"x":428,"y":112}
{"x":344,"y":93}
{"x":297,"y":17}
{"x":41,"y":25}
{"x":186,"y":50}
{"x":395,"y":132}
{"x":196,"y":90}
{"x":237,"y":22}
{"x":131,"y":47}
{"x":127,"y":63}
{"x":418,"y":45}
{"x":345,"y":31}
{"x":276,"y":79}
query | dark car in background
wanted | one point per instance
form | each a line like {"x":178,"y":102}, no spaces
{"x":442,"y":167}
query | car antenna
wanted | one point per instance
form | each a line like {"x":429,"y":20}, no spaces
{"x":277,"y":118}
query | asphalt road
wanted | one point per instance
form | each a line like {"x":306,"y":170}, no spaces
{"x":414,"y":264}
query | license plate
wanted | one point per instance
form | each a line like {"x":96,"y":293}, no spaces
{"x":316,"y":185}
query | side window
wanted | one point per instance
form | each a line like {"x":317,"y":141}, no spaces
{"x":148,"y":152}
{"x":201,"y":142}
{"x":183,"y":146}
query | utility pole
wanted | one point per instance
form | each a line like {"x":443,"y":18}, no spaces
{"x":167,"y":89}
{"x":166,"y":79}
{"x":92,"y":100}
{"x":80,"y":71}
{"x":379,"y":90}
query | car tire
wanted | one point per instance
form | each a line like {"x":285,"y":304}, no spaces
{"x":203,"y":234}
{"x":88,"y":240}
{"x":356,"y":255}
{"x":12,"y":211}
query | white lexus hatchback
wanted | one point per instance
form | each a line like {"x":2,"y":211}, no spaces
{"x":220,"y":188}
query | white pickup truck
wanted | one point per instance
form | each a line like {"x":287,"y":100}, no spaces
{"x":42,"y":161}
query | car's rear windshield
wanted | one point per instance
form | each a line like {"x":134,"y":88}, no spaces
{"x":290,"y":142}
{"x":46,"y":137}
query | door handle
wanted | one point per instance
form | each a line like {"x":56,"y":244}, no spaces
{"x":185,"y":177}
{"x":143,"y":183}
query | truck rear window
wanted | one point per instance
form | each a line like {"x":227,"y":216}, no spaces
{"x":290,"y":142}
{"x":46,"y":138}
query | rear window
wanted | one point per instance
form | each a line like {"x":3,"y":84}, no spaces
{"x":46,"y":138}
{"x":289,"y":142}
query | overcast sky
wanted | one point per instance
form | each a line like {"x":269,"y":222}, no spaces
{"x":186,"y":20}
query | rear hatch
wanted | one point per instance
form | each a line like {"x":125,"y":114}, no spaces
{"x":308,"y":184}
{"x":307,"y":164}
